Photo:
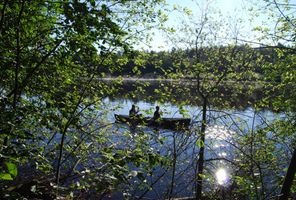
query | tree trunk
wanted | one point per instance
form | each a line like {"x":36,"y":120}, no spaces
{"x":18,"y":54}
{"x":285,"y":192}
{"x":171,"y":190}
{"x":201,"y":150}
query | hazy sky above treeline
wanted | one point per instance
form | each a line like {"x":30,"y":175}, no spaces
{"x":237,"y":13}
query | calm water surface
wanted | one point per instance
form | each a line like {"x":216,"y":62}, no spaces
{"x":224,"y":126}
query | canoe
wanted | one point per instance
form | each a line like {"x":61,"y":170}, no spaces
{"x":165,"y":123}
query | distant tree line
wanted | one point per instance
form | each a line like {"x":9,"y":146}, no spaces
{"x":158,"y":64}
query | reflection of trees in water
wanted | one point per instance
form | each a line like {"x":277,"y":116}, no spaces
{"x":231,"y":95}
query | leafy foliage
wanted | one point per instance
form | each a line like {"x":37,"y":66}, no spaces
{"x":52,"y":53}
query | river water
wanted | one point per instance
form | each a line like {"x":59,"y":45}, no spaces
{"x":230,"y":115}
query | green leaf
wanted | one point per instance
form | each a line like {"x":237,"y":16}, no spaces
{"x":199,"y":143}
{"x":6,"y":177}
{"x":12,"y":169}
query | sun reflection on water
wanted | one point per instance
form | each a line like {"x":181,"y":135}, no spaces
{"x":219,"y":132}
{"x":221,"y":176}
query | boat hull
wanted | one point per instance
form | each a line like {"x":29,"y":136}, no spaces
{"x":165,"y":123}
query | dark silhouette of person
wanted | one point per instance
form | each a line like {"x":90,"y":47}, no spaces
{"x":133,"y":111}
{"x":134,"y":117}
{"x":156,"y":114}
{"x":156,"y":119}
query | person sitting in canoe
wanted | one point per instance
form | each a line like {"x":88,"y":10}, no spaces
{"x":156,"y":114}
{"x":133,"y":111}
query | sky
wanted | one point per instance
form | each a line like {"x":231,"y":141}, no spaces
{"x":232,"y":10}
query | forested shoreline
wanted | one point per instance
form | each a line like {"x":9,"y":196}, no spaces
{"x":159,"y":64}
